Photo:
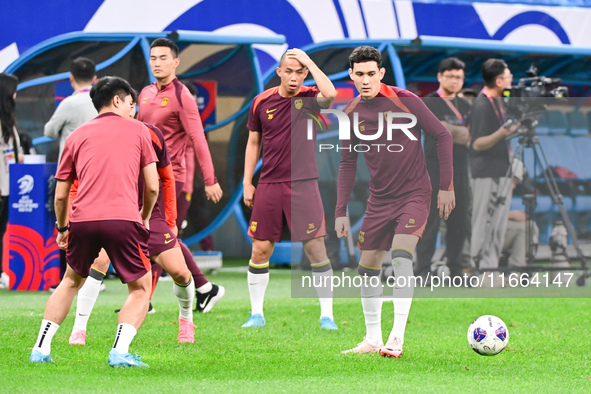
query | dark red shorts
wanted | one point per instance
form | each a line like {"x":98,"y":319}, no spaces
{"x":183,"y":202}
{"x":161,"y":237}
{"x":124,"y":241}
{"x":382,"y":221}
{"x":178,"y":188}
{"x":297,"y":204}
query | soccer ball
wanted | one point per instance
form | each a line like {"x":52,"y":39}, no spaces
{"x":488,"y":335}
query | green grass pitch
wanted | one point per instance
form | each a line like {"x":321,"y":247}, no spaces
{"x":548,"y":349}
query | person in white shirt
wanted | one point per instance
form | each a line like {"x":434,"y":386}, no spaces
{"x":72,"y":112}
{"x":76,"y":109}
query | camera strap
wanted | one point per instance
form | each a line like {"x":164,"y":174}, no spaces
{"x":451,"y":106}
{"x":500,"y":111}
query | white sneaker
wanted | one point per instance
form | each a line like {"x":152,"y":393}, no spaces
{"x":365,"y":347}
{"x":393,"y":348}
{"x":4,"y":281}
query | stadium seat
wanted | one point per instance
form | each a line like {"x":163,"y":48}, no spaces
{"x":568,"y":205}
{"x":557,"y":122}
{"x":517,"y":204}
{"x":582,"y":146}
{"x":582,"y":216}
{"x":561,"y":150}
{"x":582,"y":204}
{"x":543,"y":216}
{"x":542,"y":127}
{"x":577,"y":124}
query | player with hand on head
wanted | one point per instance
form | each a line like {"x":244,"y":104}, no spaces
{"x":168,"y":105}
{"x":399,"y":194}
{"x":105,"y":214}
{"x":163,"y":249}
{"x":285,"y":194}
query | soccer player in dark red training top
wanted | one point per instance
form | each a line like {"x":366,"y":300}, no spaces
{"x":168,"y":105}
{"x":163,"y":249}
{"x":105,"y":214}
{"x":284,"y":192}
{"x":399,"y":193}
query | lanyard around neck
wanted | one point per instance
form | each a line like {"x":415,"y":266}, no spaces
{"x":500,"y":111}
{"x":451,"y":106}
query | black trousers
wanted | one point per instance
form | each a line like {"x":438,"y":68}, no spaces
{"x":3,"y":224}
{"x":456,"y":229}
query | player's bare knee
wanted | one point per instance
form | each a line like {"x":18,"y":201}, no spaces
{"x":141,"y":286}
{"x":72,"y":280}
{"x":179,"y":275}
{"x":102,"y":262}
{"x":315,"y":250}
{"x":261,"y":251}
{"x":405,"y":241}
{"x":372,"y":258}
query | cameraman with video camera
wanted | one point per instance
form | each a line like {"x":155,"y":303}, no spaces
{"x":489,"y":165}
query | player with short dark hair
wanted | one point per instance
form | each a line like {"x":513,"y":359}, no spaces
{"x":105,"y":214}
{"x":166,"y":43}
{"x":169,"y":105}
{"x":453,"y":113}
{"x":286,"y":194}
{"x":490,"y":168}
{"x":163,"y":248}
{"x":399,"y":193}
{"x":365,"y":54}
{"x":83,"y":70}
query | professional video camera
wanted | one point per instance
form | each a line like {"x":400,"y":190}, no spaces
{"x":527,"y":100}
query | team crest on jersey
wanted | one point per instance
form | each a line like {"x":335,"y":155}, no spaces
{"x":144,"y":100}
{"x":299,"y":103}
{"x":361,"y":237}
{"x":253,"y":227}
{"x":311,"y":228}
{"x":270,"y":113}
{"x":164,"y":102}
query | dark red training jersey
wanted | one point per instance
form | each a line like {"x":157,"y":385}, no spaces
{"x":165,"y":206}
{"x":287,"y":153}
{"x":174,"y":111}
{"x":393,"y":175}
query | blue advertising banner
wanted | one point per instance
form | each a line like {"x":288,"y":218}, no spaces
{"x":207,"y":101}
{"x":33,"y":262}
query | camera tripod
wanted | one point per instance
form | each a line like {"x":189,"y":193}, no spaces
{"x":529,"y":140}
